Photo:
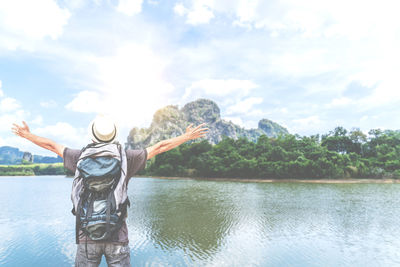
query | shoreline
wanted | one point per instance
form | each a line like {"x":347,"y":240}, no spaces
{"x":247,"y":180}
{"x":315,"y":181}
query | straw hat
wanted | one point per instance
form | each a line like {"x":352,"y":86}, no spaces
{"x":102,"y":129}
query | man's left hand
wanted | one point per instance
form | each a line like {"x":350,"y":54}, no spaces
{"x":193,"y":133}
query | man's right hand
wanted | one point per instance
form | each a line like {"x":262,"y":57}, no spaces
{"x":46,"y":143}
{"x":22,"y":131}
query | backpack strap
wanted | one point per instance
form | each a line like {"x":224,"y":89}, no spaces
{"x":96,"y":145}
{"x":77,"y":214}
{"x":124,"y":211}
{"x":89,"y":210}
{"x":77,"y":227}
{"x":108,"y":212}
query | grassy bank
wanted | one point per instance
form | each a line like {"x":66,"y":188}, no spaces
{"x":32,"y":169}
{"x":295,"y":180}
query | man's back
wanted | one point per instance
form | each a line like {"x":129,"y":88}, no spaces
{"x":136,"y":161}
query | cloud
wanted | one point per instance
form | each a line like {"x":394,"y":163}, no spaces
{"x":64,"y":133}
{"x":9,"y":104}
{"x":130,"y":7}
{"x":311,"y":18}
{"x":311,"y":40}
{"x":199,"y":13}
{"x":235,"y":119}
{"x":228,"y":93}
{"x":129,"y":85}
{"x":219,"y":88}
{"x":180,"y":9}
{"x":308,"y":121}
{"x":231,"y":95}
{"x":48,"y":104}
{"x":323,"y":48}
{"x":10,"y":112}
{"x":37,"y":120}
{"x":7,"y":119}
{"x":154,"y":2}
{"x":87,"y":102}
{"x":244,"y":106}
{"x":301,"y":57}
{"x":282,"y":110}
{"x":340,"y":102}
{"x":364,"y":118}
{"x":24,"y":22}
{"x":1,"y":91}
{"x":61,"y":132}
{"x":308,"y":124}
{"x":296,"y":61}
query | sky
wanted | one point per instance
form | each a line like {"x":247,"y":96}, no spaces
{"x":309,"y":65}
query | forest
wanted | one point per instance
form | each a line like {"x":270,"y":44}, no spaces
{"x":338,"y":154}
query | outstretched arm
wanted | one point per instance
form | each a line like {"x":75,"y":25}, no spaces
{"x":48,"y":144}
{"x":165,"y":145}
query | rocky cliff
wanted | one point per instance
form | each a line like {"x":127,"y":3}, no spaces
{"x":171,"y":121}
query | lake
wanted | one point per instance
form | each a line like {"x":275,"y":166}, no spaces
{"x":212,"y":223}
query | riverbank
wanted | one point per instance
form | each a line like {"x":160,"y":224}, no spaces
{"x":32,"y":169}
{"x":315,"y":181}
{"x":58,"y":169}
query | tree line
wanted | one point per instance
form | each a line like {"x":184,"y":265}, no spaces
{"x":29,"y":169}
{"x":338,"y":154}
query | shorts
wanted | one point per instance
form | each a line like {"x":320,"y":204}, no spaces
{"x":116,"y":255}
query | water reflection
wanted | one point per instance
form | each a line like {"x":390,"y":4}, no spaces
{"x":192,"y":216}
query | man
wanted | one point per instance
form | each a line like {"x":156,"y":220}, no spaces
{"x":103,"y":130}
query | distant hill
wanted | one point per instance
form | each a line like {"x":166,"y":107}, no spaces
{"x":11,"y":156}
{"x":170,"y":121}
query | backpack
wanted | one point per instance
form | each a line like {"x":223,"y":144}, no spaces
{"x":97,"y":213}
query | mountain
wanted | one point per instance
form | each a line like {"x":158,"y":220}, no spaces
{"x":11,"y":156}
{"x":170,"y":121}
{"x":45,"y":159}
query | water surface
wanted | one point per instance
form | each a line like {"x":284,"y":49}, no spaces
{"x":212,"y":223}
